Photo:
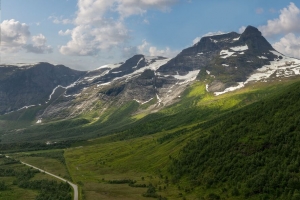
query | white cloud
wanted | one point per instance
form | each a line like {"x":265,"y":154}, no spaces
{"x":288,"y":21}
{"x":15,"y":36}
{"x":60,"y":20}
{"x":148,"y":49}
{"x":242,"y":29}
{"x":88,"y":40}
{"x":138,"y":7}
{"x":95,"y":32}
{"x":64,"y":33}
{"x":197,"y":39}
{"x":39,"y":45}
{"x":213,"y":33}
{"x":289,"y":45}
{"x":259,"y":10}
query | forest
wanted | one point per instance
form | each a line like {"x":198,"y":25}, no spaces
{"x":250,"y":152}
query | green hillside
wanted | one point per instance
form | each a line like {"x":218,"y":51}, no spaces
{"x":248,"y":152}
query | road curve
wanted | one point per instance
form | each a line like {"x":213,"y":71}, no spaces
{"x":75,"y":188}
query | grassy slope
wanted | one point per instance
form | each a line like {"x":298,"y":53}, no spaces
{"x":252,"y":153}
{"x":95,"y":162}
{"x":13,"y":192}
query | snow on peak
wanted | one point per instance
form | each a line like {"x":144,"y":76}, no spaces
{"x":240,"y":48}
{"x":262,"y":57}
{"x":225,"y":54}
{"x":285,"y":67}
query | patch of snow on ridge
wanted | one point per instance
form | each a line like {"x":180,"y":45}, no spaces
{"x":103,"y":84}
{"x":39,"y":121}
{"x":192,"y":75}
{"x":26,"y":107}
{"x":147,"y":101}
{"x":226,"y":53}
{"x":91,"y":78}
{"x":206,"y":87}
{"x":240,"y":48}
{"x":110,"y":66}
{"x":225,"y":65}
{"x":208,"y":72}
{"x":240,"y":85}
{"x":235,"y":39}
{"x":262,"y":57}
{"x":284,"y":67}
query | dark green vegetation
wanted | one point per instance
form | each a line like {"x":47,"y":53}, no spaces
{"x":251,"y":152}
{"x":18,"y":181}
{"x":241,"y":145}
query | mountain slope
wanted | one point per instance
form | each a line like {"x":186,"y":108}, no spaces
{"x":30,"y":85}
{"x":252,"y":152}
{"x":118,"y":95}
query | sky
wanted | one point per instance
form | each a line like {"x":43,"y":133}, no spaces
{"x":86,"y":34}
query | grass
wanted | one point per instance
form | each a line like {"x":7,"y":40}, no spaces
{"x":44,"y":161}
{"x":14,"y":192}
{"x":142,"y":159}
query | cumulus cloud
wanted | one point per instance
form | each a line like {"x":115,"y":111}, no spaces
{"x":197,"y":39}
{"x":95,"y":32}
{"x":242,"y":29}
{"x":39,"y":45}
{"x":289,"y":45}
{"x":288,"y":21}
{"x":60,"y":20}
{"x":64,"y":33}
{"x":88,"y":40}
{"x":138,"y":7}
{"x":15,"y":37}
{"x":148,"y":49}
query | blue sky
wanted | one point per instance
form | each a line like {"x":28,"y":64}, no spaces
{"x":85,"y":34}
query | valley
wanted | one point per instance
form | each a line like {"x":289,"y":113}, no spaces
{"x":218,"y":121}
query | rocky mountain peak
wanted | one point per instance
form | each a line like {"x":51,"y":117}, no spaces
{"x":254,"y":39}
{"x":251,"y":31}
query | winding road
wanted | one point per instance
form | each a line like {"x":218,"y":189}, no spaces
{"x":75,"y":188}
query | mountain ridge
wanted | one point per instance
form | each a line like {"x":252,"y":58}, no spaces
{"x":224,"y":63}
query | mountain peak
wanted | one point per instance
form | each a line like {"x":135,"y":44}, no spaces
{"x":251,"y":31}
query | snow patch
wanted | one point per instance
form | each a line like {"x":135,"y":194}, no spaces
{"x":225,"y":54}
{"x":192,"y":75}
{"x":284,"y":67}
{"x":208,"y":72}
{"x":26,"y":107}
{"x":206,"y":87}
{"x":102,"y":84}
{"x":262,"y":57}
{"x":39,"y":121}
{"x":225,"y":65}
{"x":240,"y":48}
{"x":235,"y":39}
{"x":147,"y":101}
{"x":240,"y":85}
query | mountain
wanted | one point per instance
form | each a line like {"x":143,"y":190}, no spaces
{"x":116,"y":95}
{"x":230,"y":59}
{"x":218,"y":121}
{"x":29,"y":85}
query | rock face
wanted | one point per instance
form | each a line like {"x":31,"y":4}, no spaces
{"x":224,"y":62}
{"x":31,"y":84}
{"x":230,"y":57}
